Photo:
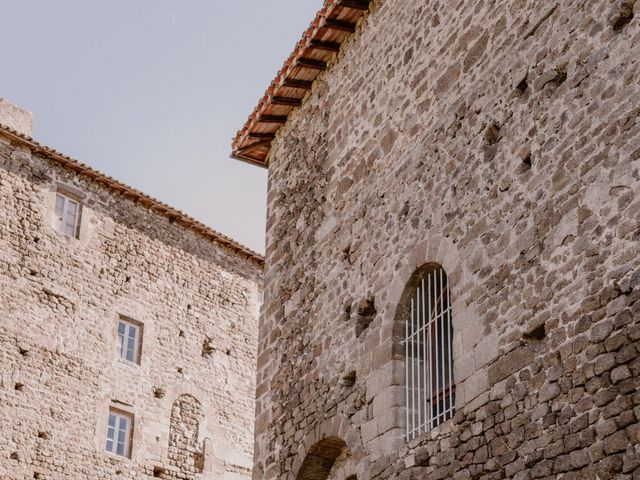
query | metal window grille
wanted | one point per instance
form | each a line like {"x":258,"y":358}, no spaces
{"x":67,"y":215}
{"x":430,"y":388}
{"x":129,"y":339}
{"x":119,"y":429}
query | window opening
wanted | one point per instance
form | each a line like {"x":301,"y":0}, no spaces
{"x":129,"y":340}
{"x":430,"y":388}
{"x":67,"y":215}
{"x":119,"y":429}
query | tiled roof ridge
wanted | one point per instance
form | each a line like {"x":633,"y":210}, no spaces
{"x":121,"y":188}
{"x":308,"y":34}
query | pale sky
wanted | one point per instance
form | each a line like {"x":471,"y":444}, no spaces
{"x":152,"y":91}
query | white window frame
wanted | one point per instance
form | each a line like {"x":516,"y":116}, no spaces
{"x":125,"y":327}
{"x":114,"y":433}
{"x":61,"y":214}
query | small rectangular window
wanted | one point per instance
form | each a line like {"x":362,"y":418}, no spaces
{"x":129,"y":340}
{"x":119,"y":431}
{"x":67,"y":215}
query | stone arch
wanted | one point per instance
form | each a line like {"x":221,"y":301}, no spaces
{"x":321,"y":458}
{"x":390,"y":375}
{"x":402,"y":306}
{"x":185,"y":449}
{"x":437,"y":251}
{"x":334,"y":443}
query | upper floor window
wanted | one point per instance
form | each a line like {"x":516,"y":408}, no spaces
{"x":67,"y":215}
{"x":119,"y":431}
{"x":129,"y":340}
{"x":430,"y":387}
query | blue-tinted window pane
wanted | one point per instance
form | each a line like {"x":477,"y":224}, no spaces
{"x":69,"y":229}
{"x":118,"y":434}
{"x":128,"y":343}
{"x":120,"y":344}
{"x":131,"y":343}
{"x":59,"y":206}
{"x":72,"y":208}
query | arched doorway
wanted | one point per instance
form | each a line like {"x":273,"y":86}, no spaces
{"x":328,"y":459}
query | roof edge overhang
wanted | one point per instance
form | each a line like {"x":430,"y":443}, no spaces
{"x":173,"y":214}
{"x":333,"y":25}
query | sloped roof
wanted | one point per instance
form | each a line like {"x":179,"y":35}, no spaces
{"x":137,"y":196}
{"x":332,"y":26}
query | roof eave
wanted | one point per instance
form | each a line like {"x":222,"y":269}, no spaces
{"x":249,"y":160}
{"x":173,"y":214}
{"x":334,"y":24}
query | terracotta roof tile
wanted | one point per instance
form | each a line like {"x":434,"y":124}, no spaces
{"x":332,"y":26}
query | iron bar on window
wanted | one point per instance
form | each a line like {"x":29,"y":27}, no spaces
{"x":430,"y":391}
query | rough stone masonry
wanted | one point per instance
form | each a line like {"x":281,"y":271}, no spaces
{"x":501,"y":140}
{"x":190,"y":394}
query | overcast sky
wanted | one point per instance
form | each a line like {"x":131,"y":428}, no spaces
{"x":152,"y":91}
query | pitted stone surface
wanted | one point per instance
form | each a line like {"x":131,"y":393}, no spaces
{"x":60,"y":300}
{"x":502,"y":141}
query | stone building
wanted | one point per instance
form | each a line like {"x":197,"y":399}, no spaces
{"x":127,"y":329}
{"x":452,"y":183}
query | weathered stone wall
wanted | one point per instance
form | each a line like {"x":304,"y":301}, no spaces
{"x":15,"y":117}
{"x":500,"y":140}
{"x":60,"y":300}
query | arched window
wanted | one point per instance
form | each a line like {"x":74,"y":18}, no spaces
{"x":430,"y":388}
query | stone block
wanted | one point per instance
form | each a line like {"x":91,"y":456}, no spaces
{"x":476,"y":384}
{"x":620,"y":373}
{"x":486,"y":351}
{"x":601,"y":330}
{"x":369,"y":431}
{"x":604,"y":363}
{"x":617,"y":442}
{"x":510,"y":363}
{"x":464,"y":367}
{"x":579,"y":459}
{"x":549,"y":392}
